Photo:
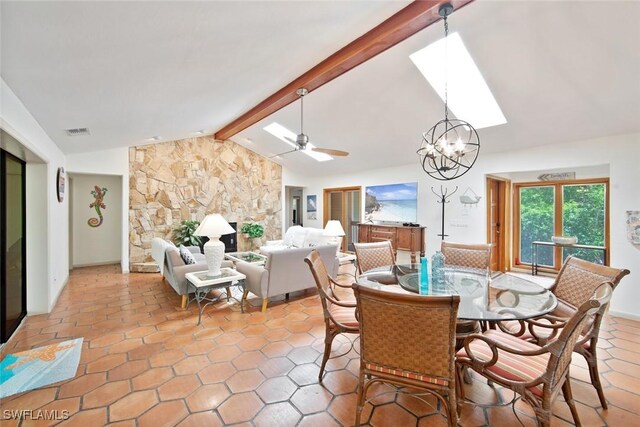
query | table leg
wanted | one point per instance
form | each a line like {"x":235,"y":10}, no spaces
{"x":198,"y":299}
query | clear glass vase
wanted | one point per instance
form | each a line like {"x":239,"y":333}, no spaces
{"x":437,"y":268}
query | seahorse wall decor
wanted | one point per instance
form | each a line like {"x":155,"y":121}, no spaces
{"x":98,"y":204}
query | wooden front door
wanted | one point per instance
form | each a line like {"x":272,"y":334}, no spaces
{"x":498,"y":222}
{"x":493,"y":188}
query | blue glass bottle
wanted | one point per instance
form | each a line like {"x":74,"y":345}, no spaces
{"x":437,"y":268}
{"x":424,"y":275}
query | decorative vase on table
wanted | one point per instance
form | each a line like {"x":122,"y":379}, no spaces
{"x":437,"y":268}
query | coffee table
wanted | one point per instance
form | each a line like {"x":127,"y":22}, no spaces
{"x":250,"y":257}
{"x":202,"y":284}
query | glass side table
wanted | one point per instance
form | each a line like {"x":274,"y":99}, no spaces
{"x":250,"y":257}
{"x":201,"y":285}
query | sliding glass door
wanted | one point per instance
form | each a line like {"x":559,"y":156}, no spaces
{"x":13,"y":296}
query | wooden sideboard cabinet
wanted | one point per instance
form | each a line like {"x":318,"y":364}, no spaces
{"x":402,"y":238}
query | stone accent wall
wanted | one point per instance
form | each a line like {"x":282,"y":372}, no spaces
{"x":187,"y":179}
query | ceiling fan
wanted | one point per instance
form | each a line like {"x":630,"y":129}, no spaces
{"x":302,"y":139}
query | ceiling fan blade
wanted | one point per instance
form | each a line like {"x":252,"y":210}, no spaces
{"x":282,"y":154}
{"x":331,"y":152}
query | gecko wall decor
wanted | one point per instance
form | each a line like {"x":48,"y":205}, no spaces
{"x":98,"y":193}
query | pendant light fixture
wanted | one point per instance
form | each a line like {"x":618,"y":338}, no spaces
{"x":450,"y":148}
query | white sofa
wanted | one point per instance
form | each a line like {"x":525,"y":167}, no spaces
{"x":297,"y":237}
{"x":285,"y":271}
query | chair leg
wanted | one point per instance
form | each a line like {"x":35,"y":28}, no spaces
{"x":361,"y":397}
{"x":592,"y":362}
{"x":265,"y":301}
{"x":228,"y":293}
{"x":245,"y":295}
{"x":328,"y":340}
{"x":184,"y":301}
{"x":568,"y":396}
{"x":452,"y":410}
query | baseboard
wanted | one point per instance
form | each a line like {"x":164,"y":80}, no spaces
{"x":624,"y":315}
{"x":95,"y":264}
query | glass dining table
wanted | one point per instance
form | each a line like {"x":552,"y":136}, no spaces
{"x":483,"y":296}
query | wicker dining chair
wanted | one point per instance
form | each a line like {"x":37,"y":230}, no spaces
{"x":409,"y":341}
{"x":339,"y":315}
{"x":537,"y":373}
{"x":372,"y":255}
{"x":476,"y":256}
{"x":575,"y":283}
{"x":471,"y":256}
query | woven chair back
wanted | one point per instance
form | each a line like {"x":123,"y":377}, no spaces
{"x":578,"y":279}
{"x":562,"y":349}
{"x":407,"y":332}
{"x":372,"y":255}
{"x":321,"y":276}
{"x":477,"y":256}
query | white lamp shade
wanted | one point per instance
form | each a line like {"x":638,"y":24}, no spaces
{"x":214,"y":225}
{"x":334,"y":229}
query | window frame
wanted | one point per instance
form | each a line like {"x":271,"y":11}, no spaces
{"x":557,"y":216}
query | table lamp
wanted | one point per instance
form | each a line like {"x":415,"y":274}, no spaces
{"x":213,"y":226}
{"x":335,"y":230}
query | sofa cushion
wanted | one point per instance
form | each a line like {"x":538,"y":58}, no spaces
{"x":173,"y":256}
{"x":287,"y":240}
{"x":315,"y":237}
{"x":186,"y":255}
{"x":298,"y":238}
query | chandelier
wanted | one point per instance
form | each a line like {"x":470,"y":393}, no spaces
{"x":450,"y":148}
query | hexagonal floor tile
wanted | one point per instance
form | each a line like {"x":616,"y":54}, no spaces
{"x":178,"y":387}
{"x":311,"y":398}
{"x":207,"y":397}
{"x":276,"y":389}
{"x":133,"y":405}
{"x":281,"y":414}
{"x":216,"y":372}
{"x":240,"y":407}
{"x":245,"y":381}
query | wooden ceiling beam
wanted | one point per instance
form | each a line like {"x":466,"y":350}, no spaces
{"x":413,"y":18}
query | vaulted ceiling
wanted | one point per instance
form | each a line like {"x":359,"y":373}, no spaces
{"x":561,"y":71}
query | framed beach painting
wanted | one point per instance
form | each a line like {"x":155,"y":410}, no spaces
{"x":392,"y":202}
{"x":312,"y":203}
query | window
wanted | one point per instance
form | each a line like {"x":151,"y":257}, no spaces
{"x":569,"y":208}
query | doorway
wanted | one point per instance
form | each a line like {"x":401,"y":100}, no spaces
{"x":344,"y":204}
{"x":498,"y":222}
{"x":13,"y":288}
{"x":293,"y":208}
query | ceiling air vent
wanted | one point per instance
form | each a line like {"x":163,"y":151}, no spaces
{"x":78,"y":132}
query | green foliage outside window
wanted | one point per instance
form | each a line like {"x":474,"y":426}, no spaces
{"x":583,"y":216}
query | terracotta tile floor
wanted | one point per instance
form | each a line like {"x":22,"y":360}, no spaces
{"x":145,"y":362}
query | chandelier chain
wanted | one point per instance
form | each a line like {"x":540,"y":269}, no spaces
{"x":446,"y":67}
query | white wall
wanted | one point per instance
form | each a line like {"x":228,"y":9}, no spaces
{"x":468,"y":224}
{"x":109,"y":162}
{"x":102,"y":244}
{"x":47,"y":219}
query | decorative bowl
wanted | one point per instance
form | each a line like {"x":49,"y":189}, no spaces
{"x":564,"y":240}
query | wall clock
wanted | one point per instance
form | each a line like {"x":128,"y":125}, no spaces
{"x":60,"y":182}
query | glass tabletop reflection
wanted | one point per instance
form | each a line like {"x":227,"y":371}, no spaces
{"x":483,"y":296}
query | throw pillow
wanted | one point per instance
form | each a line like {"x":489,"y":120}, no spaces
{"x":186,"y":255}
{"x":298,"y":238}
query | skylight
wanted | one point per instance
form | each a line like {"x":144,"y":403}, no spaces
{"x":285,"y":135}
{"x":470,"y":99}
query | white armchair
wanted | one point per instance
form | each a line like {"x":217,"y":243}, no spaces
{"x":285,"y":271}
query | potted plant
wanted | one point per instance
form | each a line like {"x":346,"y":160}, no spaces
{"x":252,"y":230}
{"x":183,"y":235}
